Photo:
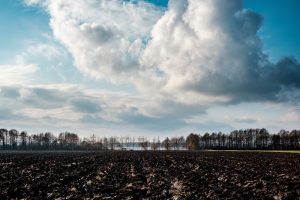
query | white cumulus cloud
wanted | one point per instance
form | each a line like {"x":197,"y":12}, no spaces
{"x":106,"y":38}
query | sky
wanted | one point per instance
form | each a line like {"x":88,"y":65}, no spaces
{"x":149,"y":68}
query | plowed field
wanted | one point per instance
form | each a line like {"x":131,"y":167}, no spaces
{"x":149,"y":175}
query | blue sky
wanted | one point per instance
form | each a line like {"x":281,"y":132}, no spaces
{"x":67,"y":78}
{"x":280,"y":31}
{"x":19,"y":25}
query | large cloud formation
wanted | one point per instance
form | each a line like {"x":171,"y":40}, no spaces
{"x":181,"y":60}
{"x":204,"y":48}
{"x":212,"y":47}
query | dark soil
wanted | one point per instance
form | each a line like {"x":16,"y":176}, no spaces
{"x":149,"y":175}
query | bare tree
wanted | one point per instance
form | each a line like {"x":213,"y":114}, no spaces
{"x":3,"y":137}
{"x":154,"y":145}
{"x":166,"y":143}
{"x":192,"y":141}
{"x":181,"y":142}
{"x":206,"y":140}
{"x":13,"y":136}
{"x":23,"y":136}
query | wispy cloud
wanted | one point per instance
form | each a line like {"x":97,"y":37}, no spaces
{"x":247,"y":120}
{"x":17,"y":74}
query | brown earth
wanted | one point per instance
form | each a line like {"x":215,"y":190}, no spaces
{"x":149,"y":175}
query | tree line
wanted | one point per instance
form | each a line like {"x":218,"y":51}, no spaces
{"x":248,"y":139}
{"x":14,"y":140}
{"x":238,"y":139}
